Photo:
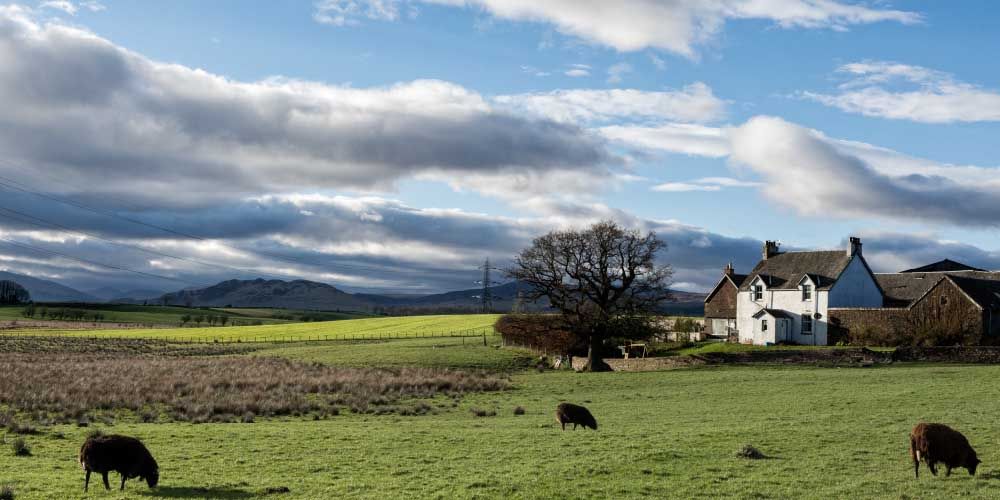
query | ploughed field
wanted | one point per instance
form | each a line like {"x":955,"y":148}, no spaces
{"x":827,"y":432}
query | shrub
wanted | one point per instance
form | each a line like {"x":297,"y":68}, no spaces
{"x":21,"y":448}
{"x":519,"y":410}
{"x":7,"y":492}
{"x":248,"y":417}
{"x":541,"y":332}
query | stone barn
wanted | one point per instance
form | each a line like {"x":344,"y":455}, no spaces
{"x":720,"y":305}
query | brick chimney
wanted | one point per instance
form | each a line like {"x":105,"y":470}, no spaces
{"x":770,"y":249}
{"x":728,"y":271}
{"x":854,"y":247}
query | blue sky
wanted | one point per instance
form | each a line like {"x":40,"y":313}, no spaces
{"x":392,"y":144}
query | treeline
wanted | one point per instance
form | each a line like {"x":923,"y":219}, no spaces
{"x":62,"y":314}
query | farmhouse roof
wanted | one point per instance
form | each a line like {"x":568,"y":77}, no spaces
{"x":946,"y":265}
{"x":784,"y":270}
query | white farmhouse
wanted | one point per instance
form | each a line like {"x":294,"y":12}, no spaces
{"x":786,"y":296}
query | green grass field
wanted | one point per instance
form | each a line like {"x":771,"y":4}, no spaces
{"x":169,"y":315}
{"x":829,"y":433}
{"x":365,"y":328}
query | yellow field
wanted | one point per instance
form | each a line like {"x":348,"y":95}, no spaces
{"x":366,"y":328}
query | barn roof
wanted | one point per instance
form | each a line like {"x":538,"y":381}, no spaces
{"x":945,"y":265}
{"x":985,"y":293}
{"x":784,"y":270}
{"x":901,"y":289}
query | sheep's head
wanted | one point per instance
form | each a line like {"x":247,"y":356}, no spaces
{"x":972,"y":463}
{"x":152,"y":476}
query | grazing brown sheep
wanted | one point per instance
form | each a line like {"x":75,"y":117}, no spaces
{"x":568,"y":413}
{"x":122,"y":454}
{"x":935,"y":443}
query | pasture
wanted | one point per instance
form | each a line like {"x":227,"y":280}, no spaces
{"x":827,"y":433}
{"x":161,"y":315}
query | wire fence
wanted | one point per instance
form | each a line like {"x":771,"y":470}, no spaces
{"x":274,"y":338}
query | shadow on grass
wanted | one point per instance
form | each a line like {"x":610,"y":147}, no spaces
{"x":989,"y":475}
{"x":198,"y":492}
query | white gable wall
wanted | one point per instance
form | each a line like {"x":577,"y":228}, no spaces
{"x":856,"y":287}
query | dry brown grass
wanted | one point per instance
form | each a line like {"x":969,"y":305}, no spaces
{"x":131,"y":346}
{"x":73,"y":386}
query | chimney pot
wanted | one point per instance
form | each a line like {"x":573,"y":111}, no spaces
{"x":770,"y":249}
{"x":854,"y":247}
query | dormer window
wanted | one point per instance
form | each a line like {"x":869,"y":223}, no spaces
{"x":807,"y":292}
{"x":757,"y":292}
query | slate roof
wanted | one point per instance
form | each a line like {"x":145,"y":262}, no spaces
{"x":784,"y":270}
{"x":945,"y":265}
{"x":901,"y":289}
{"x":984,"y":292}
{"x":776,"y":313}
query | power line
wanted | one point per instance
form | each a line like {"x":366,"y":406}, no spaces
{"x":486,"y":297}
{"x":95,"y":263}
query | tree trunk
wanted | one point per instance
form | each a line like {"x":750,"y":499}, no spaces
{"x":594,"y":361}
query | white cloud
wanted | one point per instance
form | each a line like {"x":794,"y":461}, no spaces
{"x":618,"y":71}
{"x":693,"y":103}
{"x":63,"y":5}
{"x":658,"y":62}
{"x":814,"y":175}
{"x":628,"y":25}
{"x":93,"y":5}
{"x":690,"y":139}
{"x":705,"y":184}
{"x":577,"y":72}
{"x":678,"y":187}
{"x":937,"y":97}
{"x":347,"y":12}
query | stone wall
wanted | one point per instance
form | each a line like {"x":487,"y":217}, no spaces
{"x":849,"y":357}
{"x":945,"y":316}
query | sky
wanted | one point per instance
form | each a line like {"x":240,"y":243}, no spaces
{"x":394,"y":145}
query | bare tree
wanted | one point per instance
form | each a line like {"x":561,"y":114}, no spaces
{"x":602,"y":279}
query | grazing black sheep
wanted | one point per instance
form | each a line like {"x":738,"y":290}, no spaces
{"x":568,"y":413}
{"x":935,"y":443}
{"x":122,"y":454}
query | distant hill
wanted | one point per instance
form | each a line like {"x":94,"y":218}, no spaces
{"x":303,"y":294}
{"x":298,"y":294}
{"x":47,"y":291}
{"x":113,"y":294}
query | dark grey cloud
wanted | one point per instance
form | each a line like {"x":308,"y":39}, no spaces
{"x":104,"y":120}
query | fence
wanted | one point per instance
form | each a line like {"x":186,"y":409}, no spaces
{"x":274,"y":339}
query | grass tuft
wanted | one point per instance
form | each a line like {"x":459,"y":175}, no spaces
{"x":21,"y":448}
{"x":749,"y":452}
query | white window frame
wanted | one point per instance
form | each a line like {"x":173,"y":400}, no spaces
{"x":807,"y":320}
{"x":807,"y":292}
{"x":763,"y":325}
{"x":757,"y":292}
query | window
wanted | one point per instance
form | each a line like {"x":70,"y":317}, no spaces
{"x":807,"y":324}
{"x":807,"y":292}
{"x":763,"y":325}
{"x":944,"y":301}
{"x":758,"y":292}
